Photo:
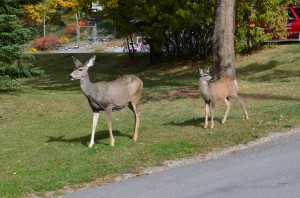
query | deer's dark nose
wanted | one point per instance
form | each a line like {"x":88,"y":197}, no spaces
{"x":71,"y":77}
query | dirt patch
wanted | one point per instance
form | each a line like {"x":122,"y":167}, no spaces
{"x":187,"y":92}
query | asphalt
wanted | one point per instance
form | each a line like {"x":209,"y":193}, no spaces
{"x":269,"y":169}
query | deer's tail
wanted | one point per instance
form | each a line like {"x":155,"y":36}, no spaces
{"x":236,"y":83}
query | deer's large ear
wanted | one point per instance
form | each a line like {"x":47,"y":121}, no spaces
{"x":91,"y":62}
{"x":77,"y":62}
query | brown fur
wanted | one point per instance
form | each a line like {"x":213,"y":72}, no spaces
{"x":212,"y":91}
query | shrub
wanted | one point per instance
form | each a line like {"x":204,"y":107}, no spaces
{"x":45,"y":43}
{"x":70,"y":30}
{"x":64,"y":40}
{"x":32,"y":50}
{"x":10,"y":73}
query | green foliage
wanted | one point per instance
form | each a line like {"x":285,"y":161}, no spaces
{"x":13,"y":38}
{"x":253,"y":16}
{"x":186,"y":27}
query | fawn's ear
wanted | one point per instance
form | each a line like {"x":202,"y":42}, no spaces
{"x":200,"y":71}
{"x":208,"y":70}
{"x":77,"y":62}
{"x":91,"y":62}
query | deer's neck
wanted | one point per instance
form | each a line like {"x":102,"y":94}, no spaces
{"x":86,"y":85}
{"x":204,"y":88}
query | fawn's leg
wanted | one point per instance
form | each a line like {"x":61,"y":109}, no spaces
{"x":227,"y":110}
{"x":206,"y":115}
{"x":212,"y":110}
{"x":243,"y":107}
{"x":95,"y":121}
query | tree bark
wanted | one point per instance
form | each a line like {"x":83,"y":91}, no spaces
{"x":154,"y":53}
{"x":223,"y":39}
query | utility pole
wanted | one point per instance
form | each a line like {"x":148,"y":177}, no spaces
{"x":77,"y":30}
{"x":44,"y":24}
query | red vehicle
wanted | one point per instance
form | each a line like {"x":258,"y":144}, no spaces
{"x":293,"y":25}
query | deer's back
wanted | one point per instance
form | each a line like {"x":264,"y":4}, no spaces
{"x":223,"y":88}
{"x":129,"y":84}
{"x":119,"y":92}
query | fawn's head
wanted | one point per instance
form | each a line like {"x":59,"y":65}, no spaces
{"x":204,"y":74}
{"x":81,"y":70}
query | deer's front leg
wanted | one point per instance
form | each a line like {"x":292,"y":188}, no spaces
{"x":206,"y":115}
{"x":108,"y":112}
{"x":212,"y":110}
{"x":95,"y":121}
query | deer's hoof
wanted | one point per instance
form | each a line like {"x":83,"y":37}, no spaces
{"x":211,"y":127}
{"x":134,"y":139}
{"x":91,"y":145}
{"x":112,"y":142}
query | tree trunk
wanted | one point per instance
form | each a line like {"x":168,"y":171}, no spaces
{"x":223,"y":39}
{"x":154,"y":53}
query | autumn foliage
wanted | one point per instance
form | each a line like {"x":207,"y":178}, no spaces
{"x":70,"y":29}
{"x":45,"y":43}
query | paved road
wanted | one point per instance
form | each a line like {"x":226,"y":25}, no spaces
{"x":271,"y":169}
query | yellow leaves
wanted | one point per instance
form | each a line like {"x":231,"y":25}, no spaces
{"x":112,"y":4}
{"x":34,"y":12}
{"x":37,"y":11}
{"x":66,"y":4}
{"x":71,"y":4}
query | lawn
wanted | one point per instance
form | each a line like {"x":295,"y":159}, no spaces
{"x":45,"y":127}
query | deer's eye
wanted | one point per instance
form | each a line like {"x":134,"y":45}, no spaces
{"x":80,"y":69}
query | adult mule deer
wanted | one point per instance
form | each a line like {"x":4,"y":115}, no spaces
{"x":212,"y":91}
{"x":109,"y":96}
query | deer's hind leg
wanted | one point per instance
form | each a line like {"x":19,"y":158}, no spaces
{"x":243,"y":107}
{"x":108,"y":112}
{"x":227,"y":110}
{"x":134,"y":107}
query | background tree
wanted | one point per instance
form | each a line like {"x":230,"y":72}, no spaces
{"x":185,"y":28}
{"x":13,"y":39}
{"x":55,"y":12}
{"x":40,"y":13}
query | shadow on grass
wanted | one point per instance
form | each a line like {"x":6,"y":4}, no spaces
{"x":100,"y":135}
{"x":272,"y":74}
{"x":268,"y":97}
{"x":196,"y":122}
{"x":255,"y":68}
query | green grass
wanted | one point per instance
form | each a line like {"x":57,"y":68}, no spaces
{"x":45,"y":127}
